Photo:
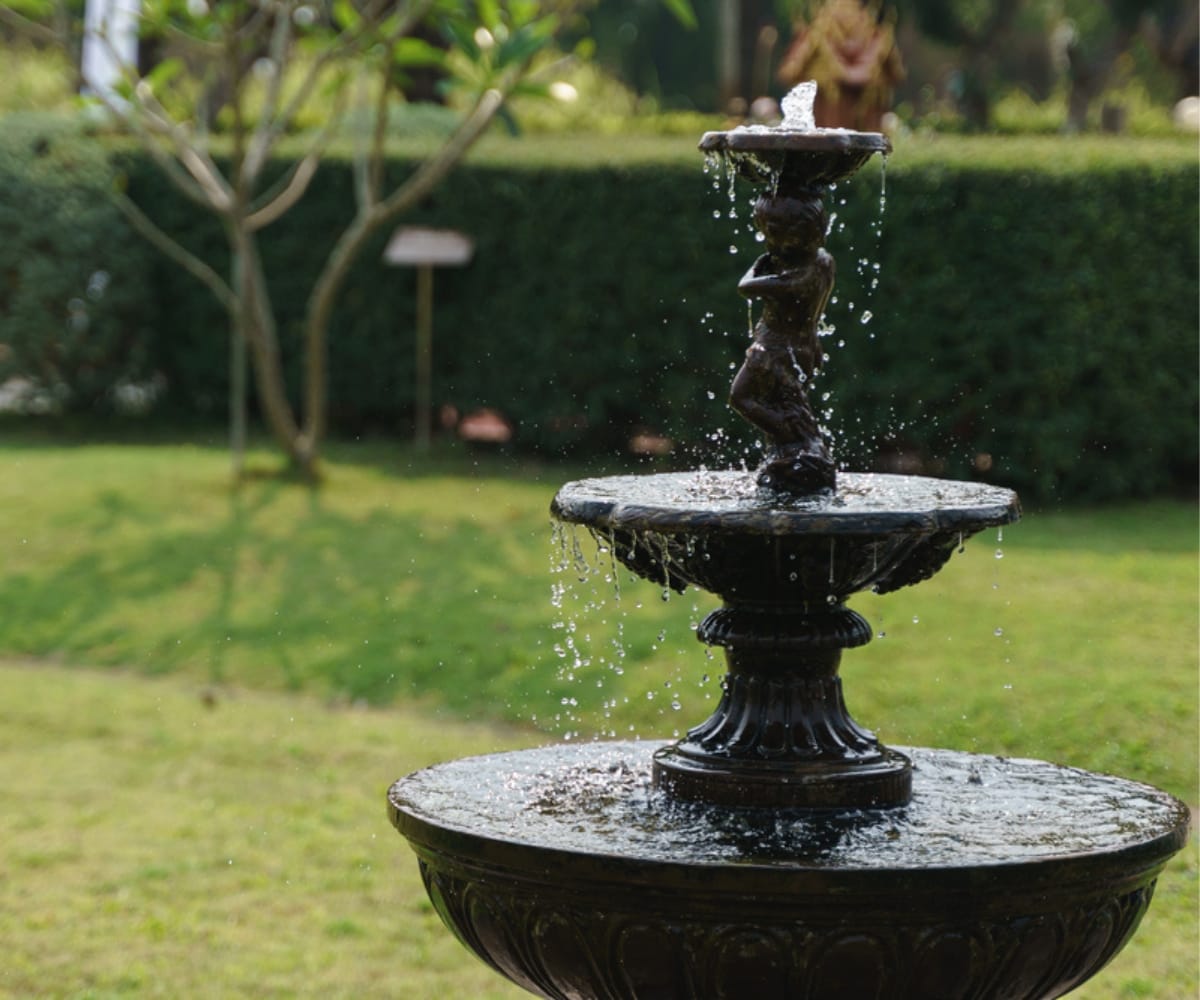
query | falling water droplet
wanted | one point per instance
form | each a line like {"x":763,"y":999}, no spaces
{"x":866,"y":317}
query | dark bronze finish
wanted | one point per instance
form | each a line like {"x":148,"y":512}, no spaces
{"x":782,"y":735}
{"x":567,"y":925}
{"x":781,"y":776}
{"x":792,"y":280}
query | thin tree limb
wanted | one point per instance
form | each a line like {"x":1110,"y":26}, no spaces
{"x":291,"y":187}
{"x":202,"y":46}
{"x":360,"y":165}
{"x":207,"y":186}
{"x":177,"y":252}
{"x":375,"y":157}
{"x":350,"y":243}
{"x":260,"y":141}
{"x":300,"y":176}
{"x":426,"y":177}
{"x":194,"y":160}
{"x":346,"y":44}
{"x":31,"y":29}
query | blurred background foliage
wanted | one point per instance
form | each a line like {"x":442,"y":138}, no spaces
{"x":1013,"y":65}
{"x":1027,"y":265}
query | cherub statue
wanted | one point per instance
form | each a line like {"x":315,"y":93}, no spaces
{"x":793,"y":280}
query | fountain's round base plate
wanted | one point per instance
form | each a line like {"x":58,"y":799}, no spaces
{"x":564,"y":869}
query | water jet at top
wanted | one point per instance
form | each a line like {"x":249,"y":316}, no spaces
{"x":779,"y":849}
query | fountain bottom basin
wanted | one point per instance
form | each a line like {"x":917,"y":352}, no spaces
{"x":569,"y":873}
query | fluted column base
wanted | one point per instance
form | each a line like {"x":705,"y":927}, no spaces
{"x":782,"y":736}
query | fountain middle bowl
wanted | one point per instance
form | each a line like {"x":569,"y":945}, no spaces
{"x":569,"y":873}
{"x":722,"y":532}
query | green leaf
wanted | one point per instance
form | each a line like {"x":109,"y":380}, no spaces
{"x":528,"y":88}
{"x":417,"y":52}
{"x":682,"y":10}
{"x":509,"y":121}
{"x":35,"y":9}
{"x":526,"y":42}
{"x":523,"y":11}
{"x":517,"y":48}
{"x":165,"y":72}
{"x":461,"y":37}
{"x":345,"y":15}
{"x":489,"y":14}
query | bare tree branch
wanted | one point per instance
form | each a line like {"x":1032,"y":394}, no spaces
{"x":340,"y":49}
{"x":349,"y":244}
{"x":291,"y":186}
{"x":426,"y":177}
{"x":362,"y":188}
{"x":206,"y":185}
{"x":31,"y":29}
{"x":261,"y":141}
{"x":170,"y":167}
{"x":298,"y":179}
{"x":202,"y":46}
{"x":375,"y":156}
{"x":177,"y":252}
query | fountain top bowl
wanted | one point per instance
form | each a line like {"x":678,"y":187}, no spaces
{"x":760,"y":139}
{"x":794,"y":159}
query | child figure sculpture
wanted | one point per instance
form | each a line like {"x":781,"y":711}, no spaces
{"x":793,"y":280}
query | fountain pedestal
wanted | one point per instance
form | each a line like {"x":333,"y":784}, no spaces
{"x":781,"y":735}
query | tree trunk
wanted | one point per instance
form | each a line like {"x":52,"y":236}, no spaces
{"x":237,"y":385}
{"x":257,"y":322}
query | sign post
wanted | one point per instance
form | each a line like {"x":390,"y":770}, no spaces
{"x":425,"y":249}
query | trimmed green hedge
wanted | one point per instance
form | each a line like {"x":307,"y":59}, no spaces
{"x":1035,"y":321}
{"x":74,"y":321}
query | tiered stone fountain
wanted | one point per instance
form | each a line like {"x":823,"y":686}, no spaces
{"x":779,"y":850}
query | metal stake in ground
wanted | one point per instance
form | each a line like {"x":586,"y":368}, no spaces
{"x":425,"y":249}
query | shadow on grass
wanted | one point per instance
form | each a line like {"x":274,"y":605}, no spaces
{"x":284,"y":588}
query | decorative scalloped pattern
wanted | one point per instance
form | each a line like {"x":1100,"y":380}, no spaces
{"x":566,"y":945}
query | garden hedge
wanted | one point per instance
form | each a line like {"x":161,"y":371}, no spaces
{"x":74,"y":320}
{"x":1035,"y":321}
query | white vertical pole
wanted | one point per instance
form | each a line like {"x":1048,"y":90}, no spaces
{"x":110,"y":44}
{"x":729,"y":51}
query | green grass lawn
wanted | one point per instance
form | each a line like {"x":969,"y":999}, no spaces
{"x":158,"y":842}
{"x":425,"y":586}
